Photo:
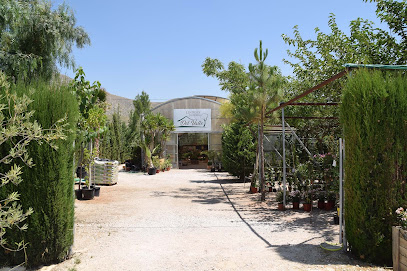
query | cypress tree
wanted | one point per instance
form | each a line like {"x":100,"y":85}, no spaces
{"x":238,"y":149}
{"x":48,"y":186}
{"x":374,"y":118}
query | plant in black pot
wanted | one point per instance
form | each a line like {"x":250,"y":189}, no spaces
{"x":88,"y":192}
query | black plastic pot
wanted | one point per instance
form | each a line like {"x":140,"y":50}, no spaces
{"x":152,"y":171}
{"x":97,"y":191}
{"x":88,"y":193}
{"x":78,"y":194}
{"x":336,"y":220}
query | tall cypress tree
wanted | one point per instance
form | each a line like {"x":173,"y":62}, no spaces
{"x":48,"y":186}
{"x":374,"y":118}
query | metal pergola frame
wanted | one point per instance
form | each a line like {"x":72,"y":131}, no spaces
{"x":292,"y":102}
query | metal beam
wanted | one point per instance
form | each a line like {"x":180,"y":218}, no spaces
{"x":314,"y":118}
{"x":305,"y":93}
{"x":333,"y":104}
{"x":302,"y":144}
{"x":284,"y":166}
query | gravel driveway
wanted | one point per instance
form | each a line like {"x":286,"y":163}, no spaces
{"x":197,"y":220}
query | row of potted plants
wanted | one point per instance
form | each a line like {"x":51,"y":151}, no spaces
{"x":159,"y":165}
{"x":326,"y":199}
{"x":88,"y":191}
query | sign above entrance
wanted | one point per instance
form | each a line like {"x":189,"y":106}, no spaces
{"x":192,"y":120}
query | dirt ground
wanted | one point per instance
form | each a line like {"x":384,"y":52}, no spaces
{"x":198,"y":220}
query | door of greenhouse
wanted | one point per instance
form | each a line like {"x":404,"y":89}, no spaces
{"x":192,"y":149}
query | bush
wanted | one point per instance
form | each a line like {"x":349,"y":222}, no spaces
{"x":48,"y":186}
{"x":374,"y":118}
{"x":238,"y":149}
{"x":112,"y":141}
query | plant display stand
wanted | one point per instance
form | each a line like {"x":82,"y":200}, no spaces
{"x":399,"y":248}
{"x":105,"y":172}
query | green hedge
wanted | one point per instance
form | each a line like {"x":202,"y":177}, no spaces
{"x":48,"y":186}
{"x":238,"y":149}
{"x":374,"y":118}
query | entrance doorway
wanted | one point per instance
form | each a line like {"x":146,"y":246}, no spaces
{"x":192,"y":149}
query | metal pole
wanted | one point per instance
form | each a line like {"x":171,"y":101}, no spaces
{"x":90,"y":164}
{"x":340,"y":190}
{"x":284,"y":165}
{"x":177,"y":148}
{"x":345,"y":243}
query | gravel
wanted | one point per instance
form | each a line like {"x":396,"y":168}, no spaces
{"x":198,"y":220}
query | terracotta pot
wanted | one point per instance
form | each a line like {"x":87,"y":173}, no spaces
{"x":329,"y":205}
{"x":157,"y":171}
{"x":296,"y":205}
{"x":321,"y":204}
{"x":253,"y":189}
{"x":168,"y":169}
{"x":281,"y":207}
{"x":307,"y":207}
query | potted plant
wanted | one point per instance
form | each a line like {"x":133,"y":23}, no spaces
{"x":295,"y":196}
{"x":156,"y":164}
{"x":399,"y":239}
{"x":307,"y":196}
{"x":88,"y":192}
{"x":167,"y":164}
{"x":331,"y":198}
{"x":209,"y":165}
{"x":280,"y":200}
{"x":253,"y":187}
{"x":321,"y":199}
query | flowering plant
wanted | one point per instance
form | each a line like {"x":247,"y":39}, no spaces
{"x":402,"y":215}
{"x":295,"y":195}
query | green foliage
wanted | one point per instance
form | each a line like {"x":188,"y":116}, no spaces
{"x":394,"y":14}
{"x":34,"y":37}
{"x":133,"y":134}
{"x":253,"y":93}
{"x":238,"y":149}
{"x":48,"y":188}
{"x":113,"y":140}
{"x":155,"y":128}
{"x":88,"y":95}
{"x":321,"y":57}
{"x":280,"y":197}
{"x":374,"y":118}
{"x":18,"y":131}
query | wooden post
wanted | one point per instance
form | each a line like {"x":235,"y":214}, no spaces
{"x":396,"y":248}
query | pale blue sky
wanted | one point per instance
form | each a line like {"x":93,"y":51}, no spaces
{"x":159,"y":46}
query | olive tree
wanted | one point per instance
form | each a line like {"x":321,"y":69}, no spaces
{"x":35,"y":37}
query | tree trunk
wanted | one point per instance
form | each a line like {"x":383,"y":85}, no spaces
{"x":261,"y":135}
{"x":256,"y":168}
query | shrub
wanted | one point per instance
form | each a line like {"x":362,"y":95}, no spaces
{"x":238,"y":149}
{"x":48,"y":187}
{"x":374,"y":118}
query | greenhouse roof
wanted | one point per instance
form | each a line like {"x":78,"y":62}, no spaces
{"x":376,"y":66}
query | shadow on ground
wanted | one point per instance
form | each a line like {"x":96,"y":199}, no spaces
{"x":254,"y":213}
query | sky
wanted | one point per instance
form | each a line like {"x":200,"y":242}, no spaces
{"x":159,"y":46}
